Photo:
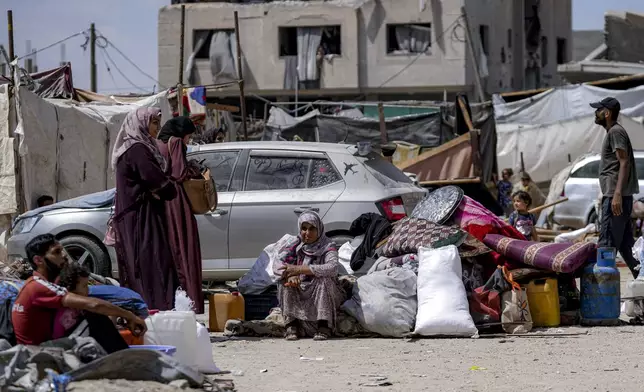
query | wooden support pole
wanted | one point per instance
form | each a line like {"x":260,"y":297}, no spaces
{"x":242,"y":98}
{"x":543,"y":207}
{"x":92,"y":58}
{"x":12,"y":53}
{"x":383,"y":124}
{"x":476,"y":153}
{"x":466,"y":114}
{"x":181,"y":49}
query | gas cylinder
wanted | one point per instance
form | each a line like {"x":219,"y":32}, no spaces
{"x":600,"y":290}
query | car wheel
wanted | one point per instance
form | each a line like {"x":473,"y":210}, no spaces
{"x":341,"y":239}
{"x":88,"y":252}
{"x":592,"y":218}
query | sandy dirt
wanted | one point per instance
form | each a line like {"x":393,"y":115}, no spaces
{"x":599,"y":359}
{"x":606,"y":359}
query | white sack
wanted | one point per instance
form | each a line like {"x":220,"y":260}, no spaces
{"x":443,"y":309}
{"x":261,"y":275}
{"x":385,"y":302}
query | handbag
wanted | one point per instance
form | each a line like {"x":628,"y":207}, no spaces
{"x":515,"y":313}
{"x":201,"y":193}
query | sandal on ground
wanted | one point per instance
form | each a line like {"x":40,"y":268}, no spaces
{"x":322,"y":334}
{"x":291,"y":333}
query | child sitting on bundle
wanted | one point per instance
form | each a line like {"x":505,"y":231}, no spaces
{"x":75,"y":278}
{"x":521,"y":219}
{"x":70,"y":322}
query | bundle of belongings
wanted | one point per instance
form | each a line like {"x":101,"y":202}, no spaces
{"x":450,"y":268}
{"x":91,"y":349}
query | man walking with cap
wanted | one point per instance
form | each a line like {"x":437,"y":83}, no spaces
{"x":618,"y":183}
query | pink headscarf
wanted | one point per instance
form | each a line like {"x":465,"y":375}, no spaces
{"x":135,"y":129}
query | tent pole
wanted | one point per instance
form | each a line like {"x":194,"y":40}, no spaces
{"x":92,"y":57}
{"x":12,"y":53}
{"x":383,"y":124}
{"x":181,"y":49}
{"x":242,"y":98}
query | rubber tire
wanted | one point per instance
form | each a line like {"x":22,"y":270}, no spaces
{"x":341,"y":239}
{"x":102,"y":263}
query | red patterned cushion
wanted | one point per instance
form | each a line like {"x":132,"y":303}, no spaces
{"x":411,"y":233}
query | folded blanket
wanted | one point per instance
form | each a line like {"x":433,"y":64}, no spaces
{"x":564,"y":258}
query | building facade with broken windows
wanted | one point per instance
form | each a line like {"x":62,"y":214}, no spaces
{"x":376,"y":49}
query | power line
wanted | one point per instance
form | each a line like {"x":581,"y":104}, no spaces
{"x":110,"y":43}
{"x":52,"y":45}
{"x":109,"y":71}
{"x":121,"y":72}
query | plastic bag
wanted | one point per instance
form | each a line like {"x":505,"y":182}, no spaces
{"x":443,"y":309}
{"x":346,"y":251}
{"x":203,"y":355}
{"x":183,"y":303}
{"x":577,"y":235}
{"x":637,"y":250}
{"x":384,"y":302}
{"x":515,"y":310}
{"x":261,"y":275}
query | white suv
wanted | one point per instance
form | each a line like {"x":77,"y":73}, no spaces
{"x":582,"y":190}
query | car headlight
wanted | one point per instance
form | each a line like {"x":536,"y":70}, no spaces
{"x":25,"y":225}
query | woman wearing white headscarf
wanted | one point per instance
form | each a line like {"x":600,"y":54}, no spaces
{"x":309,"y":291}
{"x":142,"y":247}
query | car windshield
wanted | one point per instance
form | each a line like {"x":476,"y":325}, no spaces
{"x":384,"y":171}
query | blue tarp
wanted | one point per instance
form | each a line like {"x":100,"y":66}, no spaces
{"x":93,"y":200}
{"x":122,"y":297}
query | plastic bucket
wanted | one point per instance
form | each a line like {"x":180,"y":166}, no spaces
{"x":168,"y":350}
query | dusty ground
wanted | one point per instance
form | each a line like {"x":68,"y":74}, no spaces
{"x":606,"y":359}
{"x":600,"y":359}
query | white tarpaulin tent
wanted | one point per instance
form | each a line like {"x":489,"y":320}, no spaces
{"x":65,"y":146}
{"x":557,"y":125}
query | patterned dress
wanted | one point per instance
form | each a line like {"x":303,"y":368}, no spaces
{"x":319,"y":296}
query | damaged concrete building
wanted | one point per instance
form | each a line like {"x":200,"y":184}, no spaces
{"x":375,"y":49}
{"x":618,"y":50}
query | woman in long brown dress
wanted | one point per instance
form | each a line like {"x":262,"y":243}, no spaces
{"x":182,"y":226}
{"x":309,"y":291}
{"x":142,"y":247}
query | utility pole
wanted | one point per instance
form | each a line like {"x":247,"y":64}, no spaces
{"x":12,"y":53}
{"x":92,"y":57}
{"x":475,"y":58}
{"x":181,"y":49}
{"x":242,"y":97}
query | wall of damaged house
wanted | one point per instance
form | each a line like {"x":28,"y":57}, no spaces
{"x":383,"y":47}
{"x":274,"y":38}
{"x":519,"y":43}
{"x":410,"y":45}
{"x":625,"y":37}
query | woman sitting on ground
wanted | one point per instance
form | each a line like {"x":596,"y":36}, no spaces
{"x":309,"y":291}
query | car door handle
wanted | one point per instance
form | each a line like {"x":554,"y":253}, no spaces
{"x":218,"y":213}
{"x":300,"y":210}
